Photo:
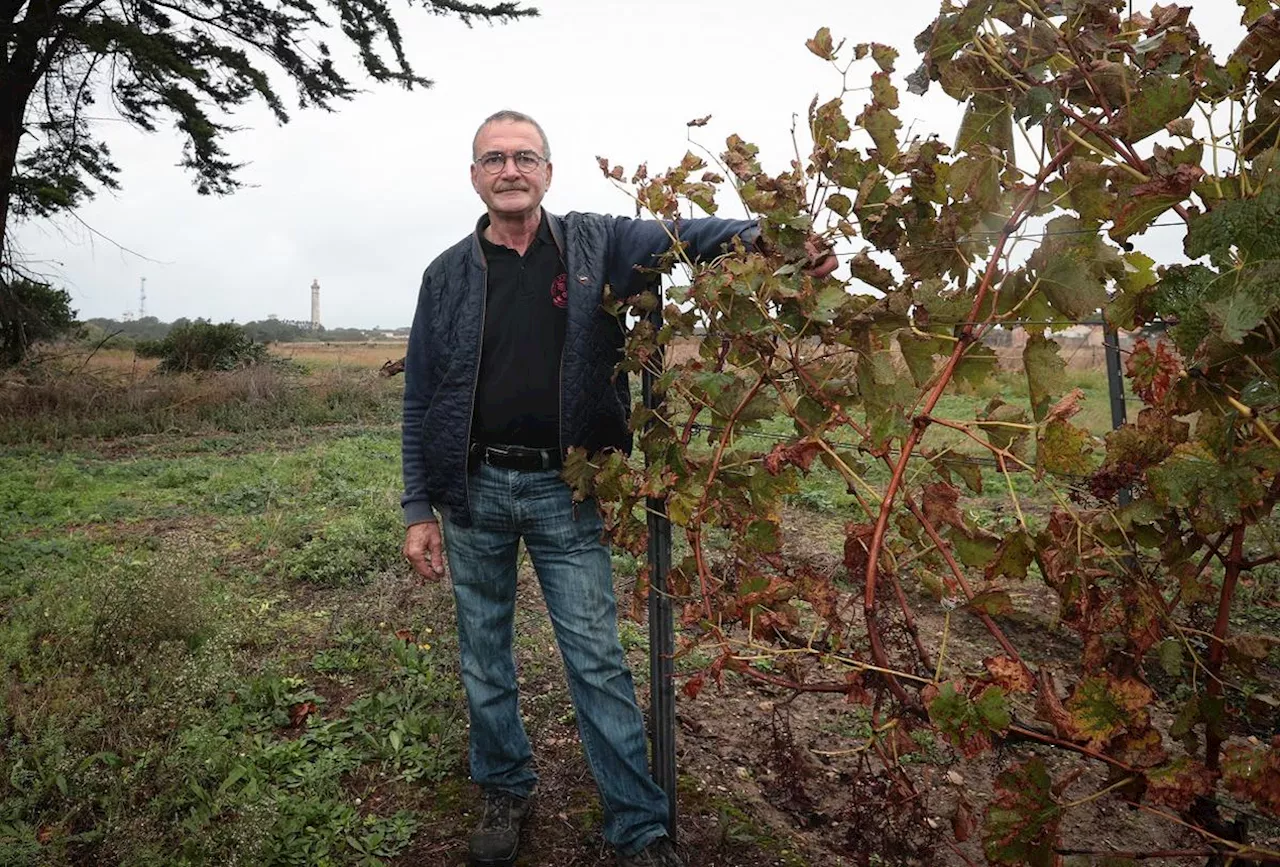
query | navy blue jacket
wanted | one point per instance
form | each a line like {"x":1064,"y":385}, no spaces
{"x":443,"y":358}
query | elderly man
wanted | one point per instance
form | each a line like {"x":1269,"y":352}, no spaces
{"x":511,"y":361}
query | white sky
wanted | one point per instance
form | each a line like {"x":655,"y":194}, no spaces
{"x":364,"y":198}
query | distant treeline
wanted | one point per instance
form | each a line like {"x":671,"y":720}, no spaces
{"x":262,"y":331}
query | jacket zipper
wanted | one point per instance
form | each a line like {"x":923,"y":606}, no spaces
{"x":564,"y":258}
{"x":475,"y":383}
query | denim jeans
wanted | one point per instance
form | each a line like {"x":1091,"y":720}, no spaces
{"x":573,"y":568}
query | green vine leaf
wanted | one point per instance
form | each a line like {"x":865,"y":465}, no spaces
{"x":969,"y":723}
{"x":1213,"y":493}
{"x":1023,"y":819}
{"x":1046,"y":373}
{"x":1063,"y":449}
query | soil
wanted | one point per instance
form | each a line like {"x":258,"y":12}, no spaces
{"x":768,"y":778}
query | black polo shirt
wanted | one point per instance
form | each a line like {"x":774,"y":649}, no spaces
{"x":518,"y":395}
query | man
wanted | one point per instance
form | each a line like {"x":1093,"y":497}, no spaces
{"x":511,"y":360}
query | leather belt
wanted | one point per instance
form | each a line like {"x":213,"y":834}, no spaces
{"x":515,"y":457}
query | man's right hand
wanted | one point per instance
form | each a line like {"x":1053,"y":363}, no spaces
{"x":424,"y":548}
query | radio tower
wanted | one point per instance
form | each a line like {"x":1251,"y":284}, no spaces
{"x":142,"y":299}
{"x":315,"y":304}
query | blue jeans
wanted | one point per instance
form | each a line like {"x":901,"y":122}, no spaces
{"x":573,"y":568}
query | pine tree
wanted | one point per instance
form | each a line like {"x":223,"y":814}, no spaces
{"x":192,"y":61}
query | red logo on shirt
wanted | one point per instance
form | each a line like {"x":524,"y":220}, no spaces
{"x":560,"y":291}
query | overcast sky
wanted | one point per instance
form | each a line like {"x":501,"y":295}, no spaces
{"x":362,"y":199}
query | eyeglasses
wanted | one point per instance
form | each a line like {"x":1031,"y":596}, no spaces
{"x":494,"y":161}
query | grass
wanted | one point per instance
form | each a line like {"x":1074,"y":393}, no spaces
{"x":824,"y":490}
{"x":211,"y":653}
{"x":208,"y":657}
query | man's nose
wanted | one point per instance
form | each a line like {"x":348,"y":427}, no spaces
{"x":509,"y":169}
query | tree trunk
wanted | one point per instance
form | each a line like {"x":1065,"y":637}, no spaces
{"x":11,"y":111}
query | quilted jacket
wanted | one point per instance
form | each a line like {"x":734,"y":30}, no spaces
{"x":443,"y":358}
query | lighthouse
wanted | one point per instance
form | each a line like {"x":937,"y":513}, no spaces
{"x":315,"y":304}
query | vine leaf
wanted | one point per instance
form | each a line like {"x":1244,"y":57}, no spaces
{"x":1103,"y":706}
{"x":1154,"y":370}
{"x":1013,"y":557}
{"x":1046,"y":373}
{"x":975,"y":367}
{"x":1071,"y":264}
{"x":1008,"y":674}
{"x":1235,"y":315}
{"x":1157,"y":100}
{"x":919,"y":352}
{"x":1023,"y":818}
{"x":1214,"y":494}
{"x":1179,"y":783}
{"x":1063,"y":449}
{"x":1003,"y":425}
{"x":995,"y":602}
{"x":974,"y":547}
{"x":939,"y":501}
{"x":1254,"y":774}
{"x":884,"y":393}
{"x":968,"y":723}
{"x":1141,"y":749}
{"x":821,"y":44}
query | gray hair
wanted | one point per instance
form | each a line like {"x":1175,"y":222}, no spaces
{"x":509,"y":116}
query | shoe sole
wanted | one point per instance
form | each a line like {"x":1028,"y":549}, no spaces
{"x":489,"y":862}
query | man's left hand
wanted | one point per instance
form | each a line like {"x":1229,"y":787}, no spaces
{"x":824,"y":261}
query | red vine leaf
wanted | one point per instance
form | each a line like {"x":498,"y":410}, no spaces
{"x":821,"y":44}
{"x":1179,"y":783}
{"x":1153,"y":371}
{"x":299,"y":712}
{"x":1008,"y":674}
{"x":962,"y":822}
{"x":938,"y":502}
{"x":1140,"y":749}
{"x":1049,"y":706}
{"x":857,"y":542}
{"x":1253,"y":773}
{"x":799,"y":455}
{"x":694,"y":685}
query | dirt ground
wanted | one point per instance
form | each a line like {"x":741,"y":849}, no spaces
{"x":767,"y":778}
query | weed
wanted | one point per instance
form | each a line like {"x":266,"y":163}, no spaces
{"x":347,"y":548}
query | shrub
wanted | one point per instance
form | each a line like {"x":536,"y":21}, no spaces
{"x":31,"y":312}
{"x":201,"y":345}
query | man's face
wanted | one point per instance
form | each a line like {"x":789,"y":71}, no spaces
{"x":510,"y":192}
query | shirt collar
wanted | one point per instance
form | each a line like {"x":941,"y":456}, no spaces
{"x":542,"y":236}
